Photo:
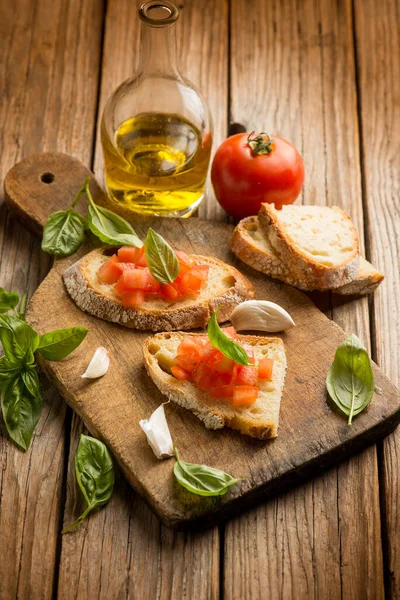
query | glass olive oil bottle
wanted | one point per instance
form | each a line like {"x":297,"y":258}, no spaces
{"x":156,"y":129}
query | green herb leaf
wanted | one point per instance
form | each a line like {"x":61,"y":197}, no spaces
{"x":350,"y":380}
{"x":161,"y":260}
{"x":110,"y":228}
{"x":202,"y":480}
{"x":95,"y":475}
{"x":21,"y":308}
{"x":228,"y":347}
{"x":56,"y":345}
{"x":8,"y":370}
{"x":8,"y":300}
{"x":63,"y":232}
{"x":21,"y":410}
{"x":18,"y":339}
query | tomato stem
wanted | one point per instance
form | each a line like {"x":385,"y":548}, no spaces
{"x":259,"y":144}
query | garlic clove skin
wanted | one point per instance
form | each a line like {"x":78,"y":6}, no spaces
{"x":99,"y":364}
{"x":261,"y":315}
{"x":158,"y":434}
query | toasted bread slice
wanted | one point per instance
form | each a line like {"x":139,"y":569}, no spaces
{"x":319,"y":244}
{"x":250,"y":244}
{"x":225,"y":288}
{"x":260,"y":420}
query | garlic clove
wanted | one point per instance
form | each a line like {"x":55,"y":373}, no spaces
{"x":99,"y":364}
{"x":261,"y":315}
{"x":158,"y":434}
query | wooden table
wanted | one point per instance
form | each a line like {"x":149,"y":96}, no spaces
{"x":326,"y":76}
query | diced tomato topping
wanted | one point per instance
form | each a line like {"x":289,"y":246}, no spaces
{"x":180,"y":373}
{"x":141,"y":259}
{"x":190,"y":284}
{"x":221,"y":377}
{"x":200,"y":271}
{"x":244,"y":395}
{"x":222,"y":391}
{"x":185,"y":262}
{"x":169,"y":291}
{"x":110,"y":271}
{"x":131,"y":280}
{"x":133,"y":298}
{"x":129,"y":272}
{"x":128,"y":254}
{"x":265,"y":368}
{"x":246,"y":375}
{"x":230,"y":332}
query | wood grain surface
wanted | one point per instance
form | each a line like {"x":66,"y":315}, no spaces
{"x":323,"y":539}
{"x":311,"y":54}
{"x":49,"y":62}
{"x":311,"y":438}
{"x":379,"y":94}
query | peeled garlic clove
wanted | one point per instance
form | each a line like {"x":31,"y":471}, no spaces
{"x":99,"y":364}
{"x":261,"y":315}
{"x":158,"y":434}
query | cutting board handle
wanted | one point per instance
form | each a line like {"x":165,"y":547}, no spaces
{"x":43,"y":183}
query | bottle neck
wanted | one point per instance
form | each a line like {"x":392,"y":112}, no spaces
{"x":158,"y":55}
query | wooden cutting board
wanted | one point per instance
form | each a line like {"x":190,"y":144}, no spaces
{"x":312,"y":436}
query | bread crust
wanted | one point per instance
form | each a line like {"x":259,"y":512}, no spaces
{"x":213,"y":414}
{"x":245,"y":246}
{"x":304,"y":269}
{"x":172,"y":316}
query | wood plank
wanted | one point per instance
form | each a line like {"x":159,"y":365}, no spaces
{"x":113,"y":407}
{"x":48,"y":72}
{"x":175,"y":574}
{"x":297,"y":79}
{"x":378,"y":50}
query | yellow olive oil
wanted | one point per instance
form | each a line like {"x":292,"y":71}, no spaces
{"x":156,"y":164}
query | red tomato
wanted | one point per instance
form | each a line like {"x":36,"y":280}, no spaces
{"x":244,"y":177}
{"x":243,"y":395}
{"x":132,"y":280}
{"x":133,"y":298}
{"x":128,"y":254}
{"x":222,"y":391}
{"x":110,"y":271}
{"x":180,"y":373}
{"x":265,"y":368}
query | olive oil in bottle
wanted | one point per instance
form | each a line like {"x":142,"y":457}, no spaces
{"x":157,"y":164}
{"x":156,"y":128}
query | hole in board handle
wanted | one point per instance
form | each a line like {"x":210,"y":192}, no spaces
{"x":47,"y":177}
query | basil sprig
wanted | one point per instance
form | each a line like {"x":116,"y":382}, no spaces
{"x":162,"y":261}
{"x":57,"y":344}
{"x":64,"y":230}
{"x":202,"y":480}
{"x":21,"y":400}
{"x":221,"y":342}
{"x":94,"y":471}
{"x":350,"y":380}
{"x":109,"y":227}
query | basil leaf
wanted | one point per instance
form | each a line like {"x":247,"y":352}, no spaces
{"x":56,"y":345}
{"x":8,"y":300}
{"x":95,"y":475}
{"x":31,"y":381}
{"x":21,"y":410}
{"x":21,"y":308}
{"x":63,"y":232}
{"x":202,"y":480}
{"x":110,"y":228}
{"x":161,"y":259}
{"x":18,"y":339}
{"x":350,"y":380}
{"x":8,"y":370}
{"x":224,"y":344}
